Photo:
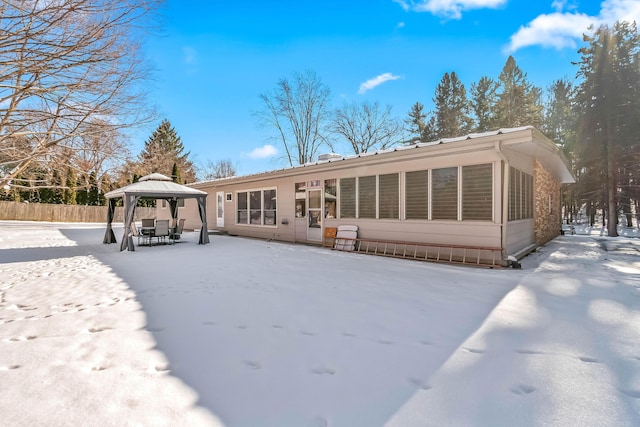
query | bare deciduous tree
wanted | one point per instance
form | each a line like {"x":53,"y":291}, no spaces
{"x":366,"y":126}
{"x":72,"y":80}
{"x":298,"y":111}
{"x":220,"y":169}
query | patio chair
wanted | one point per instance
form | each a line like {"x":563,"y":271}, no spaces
{"x":177,"y":231}
{"x":147,"y":229}
{"x":162,"y":229}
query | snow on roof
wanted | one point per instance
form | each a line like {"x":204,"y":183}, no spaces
{"x":332,"y":159}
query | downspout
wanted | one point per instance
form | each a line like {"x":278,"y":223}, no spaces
{"x":505,"y":197}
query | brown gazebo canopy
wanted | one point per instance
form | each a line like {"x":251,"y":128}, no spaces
{"x":154,"y":186}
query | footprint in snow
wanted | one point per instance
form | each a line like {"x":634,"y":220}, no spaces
{"x":209,"y":323}
{"x":522,"y":389}
{"x":319,"y":422}
{"x":385,"y":342}
{"x":94,"y":330}
{"x":524,"y":351}
{"x":310,"y":334}
{"x":323,"y":371}
{"x":252,"y":364}
{"x":474,"y":350}
{"x":349,"y":334}
{"x":589,"y":359}
{"x":9,"y":368}
{"x":422,"y":384}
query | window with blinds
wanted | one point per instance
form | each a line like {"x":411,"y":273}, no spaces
{"x":477,"y":192}
{"x":416,"y":193}
{"x":444,"y":193}
{"x":520,"y":194}
{"x":347,"y":198}
{"x":367,"y":197}
{"x":514,"y":199}
{"x":389,"y":196}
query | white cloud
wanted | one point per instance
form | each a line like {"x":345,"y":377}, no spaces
{"x":263,"y":152}
{"x":563,"y":29}
{"x":557,"y":30}
{"x":376,"y":81}
{"x":448,"y":8}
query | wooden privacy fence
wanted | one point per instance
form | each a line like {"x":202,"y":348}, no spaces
{"x":65,"y":213}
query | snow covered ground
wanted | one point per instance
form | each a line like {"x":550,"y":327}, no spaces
{"x":245,"y":332}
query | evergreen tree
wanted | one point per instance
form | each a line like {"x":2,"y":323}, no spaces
{"x":415,"y":123}
{"x":162,"y":150}
{"x":94,"y":191}
{"x":559,"y":125}
{"x":519,"y":102}
{"x":57,"y":196}
{"x":175,"y":173}
{"x":451,"y":107}
{"x":608,"y":99}
{"x":69,"y":192}
{"x":483,"y":101}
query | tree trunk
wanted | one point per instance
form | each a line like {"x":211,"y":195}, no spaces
{"x":612,"y":188}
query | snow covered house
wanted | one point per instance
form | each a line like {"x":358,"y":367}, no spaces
{"x":498,"y":190}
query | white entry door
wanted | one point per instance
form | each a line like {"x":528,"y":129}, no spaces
{"x":314,"y":228}
{"x":220,"y":209}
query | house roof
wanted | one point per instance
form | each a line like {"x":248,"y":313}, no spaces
{"x":535,"y":144}
{"x":156,"y":186}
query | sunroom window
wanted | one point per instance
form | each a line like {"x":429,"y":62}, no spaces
{"x":477,"y":192}
{"x":348,"y":198}
{"x":367,"y":197}
{"x":388,"y":196}
{"x":417,"y":195}
{"x":445,"y":193}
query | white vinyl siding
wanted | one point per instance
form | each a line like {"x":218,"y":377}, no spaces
{"x":477,"y":192}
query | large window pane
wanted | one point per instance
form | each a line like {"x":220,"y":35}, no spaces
{"x":348,"y":198}
{"x":269,"y":207}
{"x":367,"y":197}
{"x":255,"y":207}
{"x":477,"y":192}
{"x":243,"y":215}
{"x":330,"y":193}
{"x":445,"y":193}
{"x":389,"y":196}
{"x":301,"y":199}
{"x":416,"y":195}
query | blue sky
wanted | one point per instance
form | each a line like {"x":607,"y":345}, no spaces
{"x":214,"y":58}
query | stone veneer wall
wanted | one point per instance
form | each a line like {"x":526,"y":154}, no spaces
{"x":547,"y":222}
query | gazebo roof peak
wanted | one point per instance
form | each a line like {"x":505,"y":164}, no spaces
{"x":155,"y":177}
